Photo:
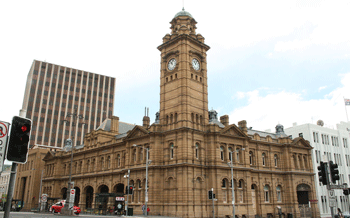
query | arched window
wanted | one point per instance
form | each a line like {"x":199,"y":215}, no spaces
{"x":279,"y":194}
{"x":266,"y":193}
{"x":108,"y":162}
{"x":197,"y":119}
{"x":275,"y":159}
{"x":237,"y":155}
{"x":250,"y":157}
{"x":263,"y":159}
{"x":102,"y":163}
{"x":192,"y":117}
{"x":222,"y":153}
{"x":118,"y":160}
{"x":171,"y":118}
{"x":230,"y":154}
{"x":88,"y":166}
{"x":224,"y":183}
{"x":305,"y":163}
{"x":240,"y":191}
{"x":197,"y":150}
{"x":175,"y":117}
{"x":134,"y":154}
{"x":171,"y":151}
{"x":141,"y":154}
{"x":167,"y":119}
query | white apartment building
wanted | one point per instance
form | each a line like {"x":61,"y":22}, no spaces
{"x":4,"y":181}
{"x":329,"y":145}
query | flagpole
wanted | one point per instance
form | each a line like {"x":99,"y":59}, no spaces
{"x":346,"y":110}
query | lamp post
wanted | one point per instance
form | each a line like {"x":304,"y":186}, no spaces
{"x":230,"y":164}
{"x":127,"y":196}
{"x":75,"y":117}
{"x":146,"y":185}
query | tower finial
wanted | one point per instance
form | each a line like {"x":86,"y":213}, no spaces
{"x":183,"y":5}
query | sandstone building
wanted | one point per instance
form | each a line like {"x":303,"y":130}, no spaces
{"x":190,"y":150}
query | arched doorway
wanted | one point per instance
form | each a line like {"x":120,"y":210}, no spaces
{"x":64,"y":193}
{"x":303,"y":193}
{"x":77,"y":196}
{"x":102,"y":200}
{"x":119,"y":188}
{"x":89,"y":193}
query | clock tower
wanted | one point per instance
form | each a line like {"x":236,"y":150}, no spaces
{"x":183,"y":76}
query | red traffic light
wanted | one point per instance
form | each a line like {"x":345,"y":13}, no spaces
{"x":24,"y":128}
{"x":130,"y":187}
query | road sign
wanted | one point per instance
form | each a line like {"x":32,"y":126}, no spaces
{"x":44,"y":198}
{"x":344,"y":186}
{"x":71,"y":199}
{"x":119,"y":198}
{"x":4,"y":127}
{"x":332,"y":198}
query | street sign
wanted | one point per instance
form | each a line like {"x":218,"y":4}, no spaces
{"x":44,"y":198}
{"x":4,"y":130}
{"x":71,"y":199}
{"x":332,"y":198}
{"x":119,"y":198}
{"x":344,"y":186}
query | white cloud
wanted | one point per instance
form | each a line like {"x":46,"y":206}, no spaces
{"x":265,"y":112}
{"x":321,"y":88}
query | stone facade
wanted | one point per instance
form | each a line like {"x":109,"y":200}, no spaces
{"x":190,"y":150}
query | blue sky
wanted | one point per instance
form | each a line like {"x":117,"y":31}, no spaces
{"x":270,"y":61}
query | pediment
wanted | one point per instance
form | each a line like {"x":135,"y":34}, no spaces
{"x":233,"y":130}
{"x":301,"y":142}
{"x":136,"y":132}
{"x":49,"y":155}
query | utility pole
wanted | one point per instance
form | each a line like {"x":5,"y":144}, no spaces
{"x":127,"y":196}
{"x":212,"y":189}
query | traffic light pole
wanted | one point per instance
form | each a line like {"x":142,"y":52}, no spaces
{"x":328,"y":187}
{"x":22,"y":113}
{"x":212,"y":189}
{"x":127,"y":195}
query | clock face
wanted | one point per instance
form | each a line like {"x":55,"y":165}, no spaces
{"x":172,"y":64}
{"x":195,"y":64}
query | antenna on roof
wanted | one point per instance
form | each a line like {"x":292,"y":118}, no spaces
{"x":147,"y":111}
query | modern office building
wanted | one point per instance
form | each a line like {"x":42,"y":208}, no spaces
{"x":53,"y":91}
{"x":328,"y":145}
{"x":192,"y":152}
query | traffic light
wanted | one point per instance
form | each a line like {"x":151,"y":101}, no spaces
{"x":334,"y":171}
{"x":346,"y":191}
{"x":130,"y":190}
{"x":17,"y":150}
{"x":322,"y":177}
{"x":210,"y":195}
{"x":126,"y":190}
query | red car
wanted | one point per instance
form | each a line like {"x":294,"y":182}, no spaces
{"x":56,"y":208}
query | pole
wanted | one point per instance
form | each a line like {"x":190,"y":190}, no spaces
{"x":41,"y":183}
{"x":10,"y":190}
{"x":212,"y":189}
{"x":22,"y":113}
{"x":346,"y":110}
{"x":233,"y":191}
{"x":127,"y":196}
{"x":328,"y":187}
{"x":146,"y":185}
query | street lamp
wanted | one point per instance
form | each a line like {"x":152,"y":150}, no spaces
{"x":230,"y":164}
{"x":127,"y":196}
{"x":75,"y":117}
{"x":146,"y":185}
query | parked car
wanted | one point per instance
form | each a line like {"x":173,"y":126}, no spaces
{"x":57,"y":207}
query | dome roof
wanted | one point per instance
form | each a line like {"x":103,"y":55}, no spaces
{"x":183,"y":13}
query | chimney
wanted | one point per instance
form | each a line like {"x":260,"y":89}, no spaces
{"x":146,"y":120}
{"x":115,"y":124}
{"x":224,"y":120}
{"x":243,"y":126}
